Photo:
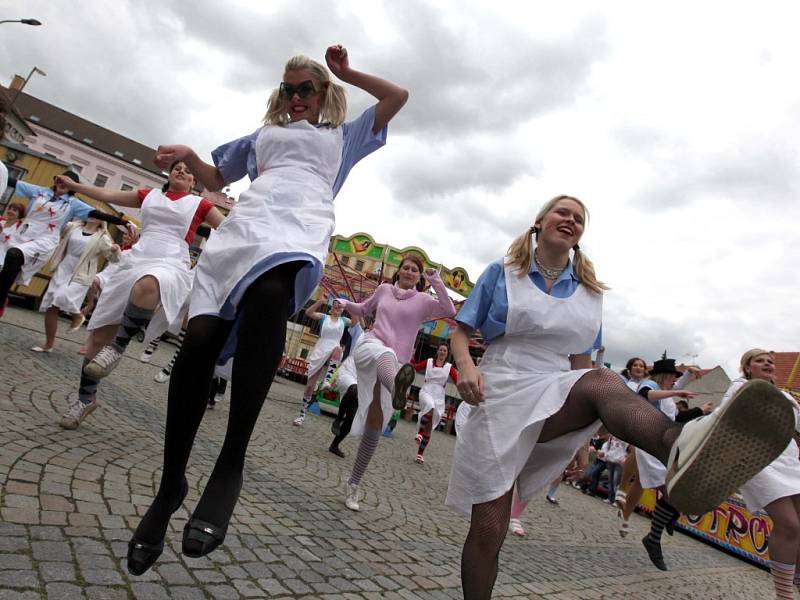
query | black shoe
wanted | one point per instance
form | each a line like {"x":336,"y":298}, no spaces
{"x":336,"y":451}
{"x":336,"y":427}
{"x":550,"y":499}
{"x":654,"y":552}
{"x":211,"y":405}
{"x":402,"y":381}
{"x":206,"y":536}
{"x":142,"y":555}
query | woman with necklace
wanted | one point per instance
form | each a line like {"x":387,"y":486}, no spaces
{"x":399,"y":309}
{"x":431,"y":396}
{"x":537,"y":400}
{"x":326,"y":351}
{"x":75,"y":265}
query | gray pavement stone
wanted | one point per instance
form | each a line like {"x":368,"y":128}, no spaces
{"x":64,"y":591}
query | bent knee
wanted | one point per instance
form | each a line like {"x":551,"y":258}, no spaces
{"x":147,"y":285}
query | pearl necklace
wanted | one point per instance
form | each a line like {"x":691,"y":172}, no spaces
{"x":547,"y":272}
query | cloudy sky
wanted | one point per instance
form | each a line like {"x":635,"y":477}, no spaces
{"x":678,"y":125}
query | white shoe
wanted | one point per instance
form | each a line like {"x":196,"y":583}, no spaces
{"x":219,"y":398}
{"x":146,"y":357}
{"x":103,"y":363}
{"x":76,"y":413}
{"x":351,"y":499}
{"x":515,"y":527}
{"x":161,"y":377}
{"x":298,"y":422}
{"x":40,"y":349}
{"x":76,"y":327}
{"x":717,"y":453}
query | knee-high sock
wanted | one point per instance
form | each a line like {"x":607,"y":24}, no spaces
{"x":662,"y":515}
{"x":387,"y":369}
{"x":782,"y":578}
{"x":168,"y":369}
{"x":152,"y":347}
{"x":134,"y":319}
{"x":518,"y":505}
{"x":366,"y":449}
{"x":12,"y":266}
{"x":87,"y":387}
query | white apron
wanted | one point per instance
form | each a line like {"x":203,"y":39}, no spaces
{"x":8,"y":237}
{"x":161,"y":252}
{"x":39,"y":235}
{"x":652,"y":472}
{"x":366,"y":358}
{"x":431,"y":394}
{"x":61,"y":291}
{"x":780,"y":478}
{"x":329,"y":336}
{"x":346,"y":376}
{"x":285,"y":215}
{"x":527,"y":379}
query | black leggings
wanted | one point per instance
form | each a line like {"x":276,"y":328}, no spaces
{"x":263,"y":313}
{"x":11,"y":267}
{"x":347,"y":412}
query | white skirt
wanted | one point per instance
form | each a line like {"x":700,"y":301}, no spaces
{"x":652,"y":472}
{"x":498,"y":444}
{"x":60,"y":292}
{"x":320,"y":356}
{"x":366,"y":358}
{"x":174,"y":281}
{"x":430,"y":402}
{"x":36,"y":252}
{"x":779,"y":479}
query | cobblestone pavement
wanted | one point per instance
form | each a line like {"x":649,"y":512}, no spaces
{"x":70,"y":500}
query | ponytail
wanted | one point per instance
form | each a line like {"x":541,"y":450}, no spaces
{"x":584,"y":271}
{"x":520,"y":253}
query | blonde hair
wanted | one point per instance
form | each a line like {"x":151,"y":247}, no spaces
{"x":334,"y":105}
{"x":662,"y":378}
{"x":520,"y":252}
{"x":747,"y":358}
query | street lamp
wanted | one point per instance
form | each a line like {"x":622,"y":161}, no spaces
{"x":24,"y":83}
{"x":23,"y":21}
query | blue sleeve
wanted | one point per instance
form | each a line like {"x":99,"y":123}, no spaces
{"x":358,"y":142}
{"x":474,"y":312}
{"x":236,"y":159}
{"x":78,"y":209}
{"x":28,"y":190}
{"x":346,"y":322}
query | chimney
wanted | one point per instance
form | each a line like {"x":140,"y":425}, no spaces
{"x":17,"y":83}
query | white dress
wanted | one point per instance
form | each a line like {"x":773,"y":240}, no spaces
{"x":431,"y":394}
{"x":346,"y":375}
{"x":652,"y":472}
{"x":330,"y":334}
{"x":7,"y":237}
{"x":781,"y":477}
{"x":527,"y":379}
{"x":161,"y":252}
{"x":61,"y":291}
{"x":462,"y":414}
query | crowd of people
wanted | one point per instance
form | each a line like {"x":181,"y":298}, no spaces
{"x":528,"y":409}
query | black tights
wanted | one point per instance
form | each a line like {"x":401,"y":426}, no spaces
{"x":599,"y":394}
{"x":263,"y":313}
{"x":11,"y":267}
{"x":347,"y":412}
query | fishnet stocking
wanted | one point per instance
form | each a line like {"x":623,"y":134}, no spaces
{"x":601,"y":394}
{"x":487,"y":531}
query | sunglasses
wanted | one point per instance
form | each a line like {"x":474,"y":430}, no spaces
{"x":304,"y":89}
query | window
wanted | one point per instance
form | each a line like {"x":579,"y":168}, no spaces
{"x":136,"y":161}
{"x":69,"y":132}
{"x":88,"y":140}
{"x":304,"y":353}
{"x":118,"y":153}
{"x":126,"y":188}
{"x":345,"y":260}
{"x":76,"y":168}
{"x":359,"y":265}
{"x":101,"y":180}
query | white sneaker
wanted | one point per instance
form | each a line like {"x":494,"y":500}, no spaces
{"x":515,"y":527}
{"x":161,"y":377}
{"x":103,"y":363}
{"x":76,"y":413}
{"x":298,"y":422}
{"x":351,"y":499}
{"x":146,"y":357}
{"x":219,"y":398}
{"x":717,"y":453}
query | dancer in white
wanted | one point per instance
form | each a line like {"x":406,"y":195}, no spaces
{"x":75,"y":263}
{"x":154,"y":273}
{"x":533,"y":411}
{"x":256,"y":271}
{"x":432,"y":396}
{"x":326,"y":350}
{"x":400,"y":309}
{"x":775,"y":489}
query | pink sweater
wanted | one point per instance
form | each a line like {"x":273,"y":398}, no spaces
{"x":399,"y":314}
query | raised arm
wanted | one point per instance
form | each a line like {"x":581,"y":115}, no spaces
{"x":313,"y":313}
{"x":203,"y":172}
{"x":442,"y":307}
{"x":391,"y":97}
{"x":362,"y":309}
{"x":128,"y":198}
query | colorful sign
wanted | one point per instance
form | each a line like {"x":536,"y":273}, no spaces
{"x":730,"y":525}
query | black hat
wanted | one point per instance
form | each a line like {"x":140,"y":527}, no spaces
{"x":665,"y":365}
{"x":72,"y":175}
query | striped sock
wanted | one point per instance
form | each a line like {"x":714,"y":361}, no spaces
{"x":367,"y":447}
{"x":87,"y":387}
{"x":662,"y":515}
{"x":304,"y":405}
{"x":134,"y":319}
{"x":151,"y":347}
{"x":782,"y":577}
{"x":168,"y":369}
{"x":387,"y":369}
{"x":797,"y":576}
{"x":423,"y":444}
